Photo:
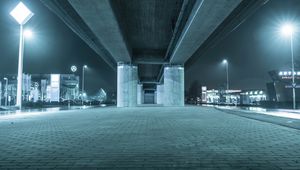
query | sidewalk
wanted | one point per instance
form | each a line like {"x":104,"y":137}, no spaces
{"x":36,"y":111}
{"x":283,"y":117}
{"x":286,"y":113}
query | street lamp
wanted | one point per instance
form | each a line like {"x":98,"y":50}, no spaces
{"x":227,"y":82}
{"x":6,"y":94}
{"x":82,"y":87}
{"x":0,"y":93}
{"x":288,"y":30}
{"x":28,"y":33}
{"x":21,"y":14}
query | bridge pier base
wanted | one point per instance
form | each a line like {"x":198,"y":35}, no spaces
{"x":173,"y":85}
{"x":127,"y":85}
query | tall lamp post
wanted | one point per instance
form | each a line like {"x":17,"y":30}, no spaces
{"x":21,"y":14}
{"x":288,"y":30}
{"x":73,"y":69}
{"x":6,"y":94}
{"x":227,"y":79}
{"x":0,"y":93}
{"x":83,"y":94}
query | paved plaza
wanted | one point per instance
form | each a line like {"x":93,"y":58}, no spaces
{"x":145,"y":138}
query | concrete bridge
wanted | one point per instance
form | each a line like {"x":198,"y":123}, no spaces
{"x":150,"y":42}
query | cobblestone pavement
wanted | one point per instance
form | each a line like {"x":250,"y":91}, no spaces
{"x":146,"y":138}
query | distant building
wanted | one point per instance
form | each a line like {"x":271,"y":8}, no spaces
{"x":252,"y":97}
{"x":42,"y":87}
{"x":210,"y":96}
{"x":234,"y":97}
{"x":280,"y":89}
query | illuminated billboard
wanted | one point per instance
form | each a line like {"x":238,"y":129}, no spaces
{"x":55,"y":86}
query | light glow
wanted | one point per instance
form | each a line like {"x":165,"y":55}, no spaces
{"x":287,"y":29}
{"x":28,"y":34}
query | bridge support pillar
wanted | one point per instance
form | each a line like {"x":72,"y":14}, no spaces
{"x":174,"y":85}
{"x":127,"y":85}
{"x":160,"y":93}
{"x":140,"y":94}
{"x":155,"y":97}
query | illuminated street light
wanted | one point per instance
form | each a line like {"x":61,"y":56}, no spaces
{"x":227,"y":82}
{"x":21,"y":14}
{"x":28,"y":33}
{"x":6,"y":94}
{"x":288,"y":30}
{"x":82,"y":88}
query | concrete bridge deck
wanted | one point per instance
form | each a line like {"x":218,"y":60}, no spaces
{"x":145,"y":138}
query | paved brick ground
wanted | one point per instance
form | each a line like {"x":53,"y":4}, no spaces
{"x":146,"y":138}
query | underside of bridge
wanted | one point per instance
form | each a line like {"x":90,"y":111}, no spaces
{"x":149,"y":42}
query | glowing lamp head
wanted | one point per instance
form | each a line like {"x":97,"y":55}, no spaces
{"x":287,"y":30}
{"x":85,"y":66}
{"x":28,"y":33}
{"x":225,"y":61}
{"x":21,"y":13}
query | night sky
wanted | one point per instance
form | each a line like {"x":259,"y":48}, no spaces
{"x":252,"y":50}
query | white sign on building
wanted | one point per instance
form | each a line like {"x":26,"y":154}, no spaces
{"x":55,"y":86}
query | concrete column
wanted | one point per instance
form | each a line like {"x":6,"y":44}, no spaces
{"x":127,"y":85}
{"x":160,"y":93}
{"x":155,"y":97}
{"x":174,"y":85}
{"x":140,"y":94}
